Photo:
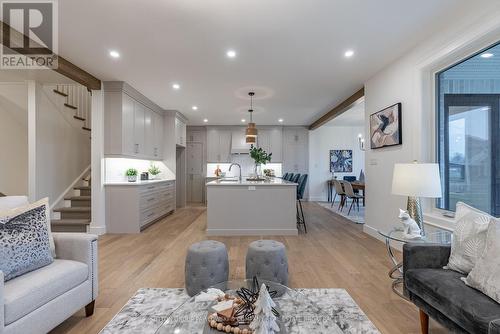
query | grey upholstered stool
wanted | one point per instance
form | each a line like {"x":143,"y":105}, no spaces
{"x":267,"y":260}
{"x":207,"y":264}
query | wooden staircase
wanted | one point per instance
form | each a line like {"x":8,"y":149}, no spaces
{"x":78,"y":100}
{"x":75,"y":217}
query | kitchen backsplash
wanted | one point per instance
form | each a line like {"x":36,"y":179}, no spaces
{"x":116,"y":167}
{"x":247,"y":167}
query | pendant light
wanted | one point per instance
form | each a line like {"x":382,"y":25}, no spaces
{"x":251,"y":131}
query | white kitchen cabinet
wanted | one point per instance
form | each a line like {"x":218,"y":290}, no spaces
{"x":218,"y":145}
{"x":271,"y":141}
{"x":140,"y":147}
{"x":295,"y":150}
{"x":158,"y":135}
{"x":133,"y":124}
{"x":180,"y":132}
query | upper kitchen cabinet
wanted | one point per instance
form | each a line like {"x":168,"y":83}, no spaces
{"x":296,"y":149}
{"x":133,"y":124}
{"x":180,"y":131}
{"x":218,"y":144}
{"x":270,"y":139}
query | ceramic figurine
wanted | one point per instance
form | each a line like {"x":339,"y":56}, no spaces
{"x":411,"y":229}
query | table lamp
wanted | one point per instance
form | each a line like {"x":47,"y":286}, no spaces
{"x":416,"y":180}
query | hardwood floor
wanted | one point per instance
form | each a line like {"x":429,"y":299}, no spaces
{"x":333,"y":254}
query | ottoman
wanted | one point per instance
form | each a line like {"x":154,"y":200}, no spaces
{"x":267,"y":260}
{"x":207,"y":264}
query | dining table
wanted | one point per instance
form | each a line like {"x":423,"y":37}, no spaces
{"x":356,"y":185}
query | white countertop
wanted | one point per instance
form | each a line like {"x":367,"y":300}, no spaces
{"x":137,"y":183}
{"x":275,"y":181}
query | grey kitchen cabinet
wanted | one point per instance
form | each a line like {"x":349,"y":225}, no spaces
{"x":218,"y":145}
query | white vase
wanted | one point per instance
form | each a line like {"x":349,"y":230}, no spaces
{"x":132,"y":178}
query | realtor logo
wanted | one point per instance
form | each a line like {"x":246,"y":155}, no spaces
{"x":31,"y":40}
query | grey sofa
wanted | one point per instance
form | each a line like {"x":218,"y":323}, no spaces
{"x":441,"y":294}
{"x":38,"y":301}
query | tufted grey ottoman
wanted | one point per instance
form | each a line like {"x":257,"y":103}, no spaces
{"x":207,"y":264}
{"x":267,"y":260}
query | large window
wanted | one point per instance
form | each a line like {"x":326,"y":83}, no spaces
{"x":468,"y":130}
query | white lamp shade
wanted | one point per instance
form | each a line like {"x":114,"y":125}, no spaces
{"x":416,"y":180}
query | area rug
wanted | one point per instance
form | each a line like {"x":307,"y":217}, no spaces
{"x":357,"y":217}
{"x":149,"y":308}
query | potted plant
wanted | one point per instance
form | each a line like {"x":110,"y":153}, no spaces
{"x":131,"y":174}
{"x":154,"y":171}
{"x":260,"y":157}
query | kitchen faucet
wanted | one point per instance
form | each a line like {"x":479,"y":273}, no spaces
{"x":235,"y":164}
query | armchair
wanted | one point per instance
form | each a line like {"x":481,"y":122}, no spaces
{"x":38,"y":301}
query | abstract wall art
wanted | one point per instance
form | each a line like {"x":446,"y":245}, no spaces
{"x":385,"y":127}
{"x":341,"y":161}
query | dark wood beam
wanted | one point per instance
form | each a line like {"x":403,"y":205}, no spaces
{"x":339,"y":109}
{"x":64,"y":67}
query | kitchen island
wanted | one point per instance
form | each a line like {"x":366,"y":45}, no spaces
{"x":241,"y":207}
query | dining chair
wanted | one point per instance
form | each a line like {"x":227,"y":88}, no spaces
{"x":338,"y":191}
{"x":290,"y":176}
{"x":285,"y":176}
{"x":300,"y":195}
{"x":349,"y":192}
{"x":295,"y":178}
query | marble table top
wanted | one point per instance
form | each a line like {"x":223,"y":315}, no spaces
{"x":146,"y":311}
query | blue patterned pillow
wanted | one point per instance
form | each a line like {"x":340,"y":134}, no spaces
{"x":24,"y":240}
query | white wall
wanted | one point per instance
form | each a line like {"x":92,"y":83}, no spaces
{"x":321,"y":141}
{"x":62,"y":147}
{"x":14,"y":138}
{"x":409,"y":80}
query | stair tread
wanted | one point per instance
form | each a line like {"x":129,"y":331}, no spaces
{"x":77,"y":198}
{"x":73,"y":209}
{"x":70,"y":106}
{"x":60,"y":93}
{"x":70,"y":222}
{"x":82,"y":188}
{"x":85,"y":128}
{"x":79,"y":118}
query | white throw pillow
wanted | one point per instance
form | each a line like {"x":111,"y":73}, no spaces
{"x":13,"y":205}
{"x":485,"y":276}
{"x":469,"y":238}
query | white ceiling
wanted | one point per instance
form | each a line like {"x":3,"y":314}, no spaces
{"x":352,"y":117}
{"x":290,"y":50}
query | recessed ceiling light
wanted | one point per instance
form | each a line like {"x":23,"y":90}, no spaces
{"x":205,"y":120}
{"x":194,"y":107}
{"x":176,"y":86}
{"x":243,"y":120}
{"x":280,"y":120}
{"x":349,"y":53}
{"x":487,"y":55}
{"x":231,"y":54}
{"x":114,"y":54}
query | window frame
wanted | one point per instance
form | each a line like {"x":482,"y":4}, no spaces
{"x":436,"y":147}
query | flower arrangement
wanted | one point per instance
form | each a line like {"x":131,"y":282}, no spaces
{"x":154,"y":170}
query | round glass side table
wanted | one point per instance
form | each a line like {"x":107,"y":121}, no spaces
{"x":397,"y":234}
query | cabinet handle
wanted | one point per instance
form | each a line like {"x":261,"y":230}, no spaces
{"x":136,"y":148}
{"x":152,"y":187}
{"x":151,"y":214}
{"x":151,"y":199}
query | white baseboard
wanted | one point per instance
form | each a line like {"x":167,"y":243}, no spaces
{"x":250,"y":232}
{"x":98,"y":230}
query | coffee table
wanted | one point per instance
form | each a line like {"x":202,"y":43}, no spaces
{"x":397,"y":234}
{"x":298,"y":314}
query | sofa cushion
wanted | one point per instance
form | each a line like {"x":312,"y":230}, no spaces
{"x":445,"y":291}
{"x":469,"y":238}
{"x":28,"y":292}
